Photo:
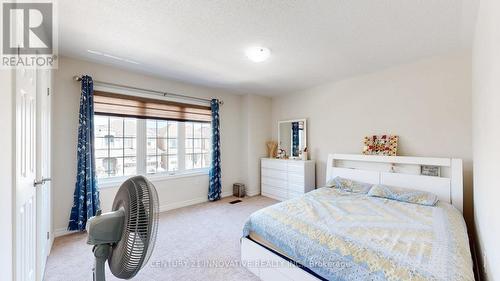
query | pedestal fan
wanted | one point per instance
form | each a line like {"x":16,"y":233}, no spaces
{"x":125,"y":237}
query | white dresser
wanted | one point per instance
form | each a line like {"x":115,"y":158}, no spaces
{"x":286,"y":179}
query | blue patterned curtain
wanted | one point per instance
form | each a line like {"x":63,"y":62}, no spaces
{"x":295,"y":138}
{"x":215,"y":188}
{"x":86,"y":196}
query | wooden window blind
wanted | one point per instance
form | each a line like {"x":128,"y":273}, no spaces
{"x":139,"y":107}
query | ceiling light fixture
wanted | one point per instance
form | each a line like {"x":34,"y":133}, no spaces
{"x":257,"y":54}
{"x":111,"y":56}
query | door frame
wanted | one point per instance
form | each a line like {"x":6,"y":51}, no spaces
{"x":7,"y":174}
{"x":44,"y":231}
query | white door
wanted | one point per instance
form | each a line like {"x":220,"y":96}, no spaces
{"x":43,"y":187}
{"x":26,"y":110}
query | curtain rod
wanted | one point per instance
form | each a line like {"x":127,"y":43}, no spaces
{"x":158,"y":93}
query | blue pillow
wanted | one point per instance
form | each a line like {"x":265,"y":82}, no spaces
{"x":349,"y":185}
{"x":403,"y":195}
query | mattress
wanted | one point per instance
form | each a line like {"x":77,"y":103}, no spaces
{"x":346,"y":236}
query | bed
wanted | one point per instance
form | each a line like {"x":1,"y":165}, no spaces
{"x":328,"y":234}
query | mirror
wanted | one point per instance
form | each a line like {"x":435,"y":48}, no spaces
{"x":292,"y":137}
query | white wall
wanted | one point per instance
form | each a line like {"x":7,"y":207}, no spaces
{"x":486,"y":135}
{"x":256,"y":130}
{"x":6,"y":174}
{"x":173,"y":193}
{"x":426,"y":103}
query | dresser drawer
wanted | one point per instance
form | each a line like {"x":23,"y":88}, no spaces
{"x":274,"y":164}
{"x":296,"y":187}
{"x":274,"y":192}
{"x":274,"y":182}
{"x":296,"y":167}
{"x":286,"y":179}
{"x":296,"y":179}
{"x":275,"y":174}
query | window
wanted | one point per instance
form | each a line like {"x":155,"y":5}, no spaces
{"x":115,"y":146}
{"x":197,"y":145}
{"x":126,"y":146}
{"x":161,"y":146}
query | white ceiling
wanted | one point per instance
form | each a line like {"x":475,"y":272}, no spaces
{"x":312,"y":42}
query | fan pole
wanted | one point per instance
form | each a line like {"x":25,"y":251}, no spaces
{"x":101,"y":253}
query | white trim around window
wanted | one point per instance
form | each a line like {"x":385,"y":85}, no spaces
{"x":159,"y":177}
{"x":142,"y":157}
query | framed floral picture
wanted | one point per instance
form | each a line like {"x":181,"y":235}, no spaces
{"x":386,"y":145}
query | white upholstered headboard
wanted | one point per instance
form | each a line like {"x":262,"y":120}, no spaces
{"x":401,"y":171}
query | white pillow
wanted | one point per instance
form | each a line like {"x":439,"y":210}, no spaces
{"x":349,"y":185}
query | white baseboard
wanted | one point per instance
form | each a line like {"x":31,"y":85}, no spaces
{"x":63,"y":231}
{"x":176,"y":205}
{"x":253,"y":192}
{"x":227,"y":194}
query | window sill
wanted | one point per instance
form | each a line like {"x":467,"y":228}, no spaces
{"x":116,"y":182}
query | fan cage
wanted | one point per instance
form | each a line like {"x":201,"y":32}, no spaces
{"x":139,"y":199}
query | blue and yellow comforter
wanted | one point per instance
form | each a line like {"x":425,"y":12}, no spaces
{"x":346,"y":236}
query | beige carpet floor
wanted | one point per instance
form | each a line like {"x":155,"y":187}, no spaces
{"x":200,"y":242}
